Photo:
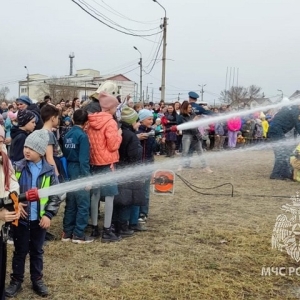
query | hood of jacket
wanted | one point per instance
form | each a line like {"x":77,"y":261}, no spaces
{"x":16,"y":131}
{"x":98,"y":120}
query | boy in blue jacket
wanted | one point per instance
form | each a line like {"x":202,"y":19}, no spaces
{"x":76,"y":149}
{"x":33,"y":172}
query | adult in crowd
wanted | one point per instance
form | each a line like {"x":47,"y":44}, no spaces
{"x":24,"y":102}
{"x":197,"y":109}
{"x":283,"y":122}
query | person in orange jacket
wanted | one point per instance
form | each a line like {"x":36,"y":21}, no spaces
{"x":105,"y":139}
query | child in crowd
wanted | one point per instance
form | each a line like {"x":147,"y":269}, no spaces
{"x":219,"y":136}
{"x":33,"y":172}
{"x":265,"y":126}
{"x":139,"y":214}
{"x":169,"y":120}
{"x":26,"y":124}
{"x":50,"y":117}
{"x":8,"y":183}
{"x":158,"y":137}
{"x":240,"y":140}
{"x":130,"y":193}
{"x":105,"y":139}
{"x":76,"y":149}
{"x":64,"y":128}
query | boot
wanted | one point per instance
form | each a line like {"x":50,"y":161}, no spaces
{"x":40,"y":288}
{"x":109,"y":236}
{"x":13,"y":289}
{"x":95,"y":231}
{"x":125,"y":231}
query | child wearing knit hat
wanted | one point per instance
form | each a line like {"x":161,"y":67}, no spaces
{"x":140,"y":213}
{"x":130,"y":193}
{"x":33,"y":172}
{"x":105,"y":139}
{"x":26,"y":124}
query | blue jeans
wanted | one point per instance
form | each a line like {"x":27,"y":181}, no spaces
{"x":137,"y":210}
{"x":28,"y":239}
{"x":77,"y":206}
{"x":191,"y":143}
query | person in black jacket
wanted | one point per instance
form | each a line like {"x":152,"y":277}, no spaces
{"x":26,"y":124}
{"x":287,"y":119}
{"x":130,"y":193}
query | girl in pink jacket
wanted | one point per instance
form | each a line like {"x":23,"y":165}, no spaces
{"x":234,"y":125}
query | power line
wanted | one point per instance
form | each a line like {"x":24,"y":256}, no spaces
{"x":127,"y":33}
{"x":113,"y":11}
{"x":110,"y":20}
{"x":155,"y":60}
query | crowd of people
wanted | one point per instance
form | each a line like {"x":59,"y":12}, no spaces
{"x":46,"y":143}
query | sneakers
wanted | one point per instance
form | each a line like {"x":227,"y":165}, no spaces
{"x":138,"y":227}
{"x":82,"y":240}
{"x":49,"y":237}
{"x":13,"y":289}
{"x":95,"y":232}
{"x":66,"y":237}
{"x":142,"y":218}
{"x":40,"y":288}
{"x":109,"y":236}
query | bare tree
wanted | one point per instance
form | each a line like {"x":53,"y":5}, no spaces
{"x":238,"y":95}
{"x":3,"y":93}
{"x":58,"y":88}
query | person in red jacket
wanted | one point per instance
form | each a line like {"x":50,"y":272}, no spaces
{"x":105,"y":139}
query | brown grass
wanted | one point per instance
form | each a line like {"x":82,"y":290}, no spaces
{"x":197,"y":247}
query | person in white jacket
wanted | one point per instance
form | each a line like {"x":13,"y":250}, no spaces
{"x":8,"y":183}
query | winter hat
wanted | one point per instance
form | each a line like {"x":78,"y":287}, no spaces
{"x":38,"y":141}
{"x":67,"y":119}
{"x":25,"y":116}
{"x":12,"y":115}
{"x":107,"y":101}
{"x":2,"y":133}
{"x":24,"y":99}
{"x":129,"y":115}
{"x":144,"y":114}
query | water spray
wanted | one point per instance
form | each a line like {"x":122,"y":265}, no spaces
{"x":133,"y":173}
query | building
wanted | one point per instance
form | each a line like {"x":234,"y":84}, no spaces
{"x":84,"y":83}
{"x":295,"y":95}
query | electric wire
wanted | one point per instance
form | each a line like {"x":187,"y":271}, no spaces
{"x":108,"y":25}
{"x":110,"y":20}
{"x":155,"y":60}
{"x":113,"y":11}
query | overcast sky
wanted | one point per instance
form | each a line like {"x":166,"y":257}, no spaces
{"x":261,"y":38}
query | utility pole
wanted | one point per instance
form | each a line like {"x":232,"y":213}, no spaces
{"x":27,"y":77}
{"x":164,"y":58}
{"x":71,"y":56}
{"x":178,"y":97}
{"x":141,"y":74}
{"x":202,"y":91}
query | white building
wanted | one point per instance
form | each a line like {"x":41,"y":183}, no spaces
{"x":84,"y":83}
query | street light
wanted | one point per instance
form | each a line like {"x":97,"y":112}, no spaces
{"x":281,"y":93}
{"x":27,"y":80}
{"x":202,"y":92}
{"x":141,"y":74}
{"x":163,"y":76}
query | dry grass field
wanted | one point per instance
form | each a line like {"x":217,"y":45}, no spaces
{"x":197,"y":247}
